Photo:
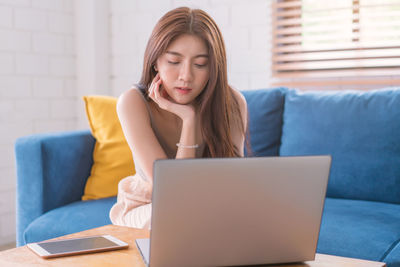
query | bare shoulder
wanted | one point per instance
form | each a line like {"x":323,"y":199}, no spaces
{"x":131,"y":100}
{"x":129,"y":97}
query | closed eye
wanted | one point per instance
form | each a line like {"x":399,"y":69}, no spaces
{"x":173,"y":62}
{"x":200,"y":65}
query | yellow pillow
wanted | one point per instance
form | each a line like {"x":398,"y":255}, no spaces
{"x":112,"y":157}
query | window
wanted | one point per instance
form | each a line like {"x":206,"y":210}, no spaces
{"x":342,"y":38}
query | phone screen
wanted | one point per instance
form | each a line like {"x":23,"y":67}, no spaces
{"x":65,"y":246}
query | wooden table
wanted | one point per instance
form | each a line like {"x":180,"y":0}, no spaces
{"x":23,"y":256}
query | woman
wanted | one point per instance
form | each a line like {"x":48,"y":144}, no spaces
{"x":183,"y":107}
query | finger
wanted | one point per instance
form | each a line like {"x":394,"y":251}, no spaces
{"x":157,"y":90}
{"x":157,"y":87}
{"x":155,"y":79}
{"x":151,"y":90}
{"x":154,"y":91}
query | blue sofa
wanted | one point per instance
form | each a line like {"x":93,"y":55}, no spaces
{"x":361,"y":130}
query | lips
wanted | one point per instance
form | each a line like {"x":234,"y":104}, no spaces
{"x":183,"y":90}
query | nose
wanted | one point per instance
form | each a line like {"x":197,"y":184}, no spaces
{"x":185,"y":73}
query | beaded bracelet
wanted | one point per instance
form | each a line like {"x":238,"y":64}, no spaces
{"x":184,"y":146}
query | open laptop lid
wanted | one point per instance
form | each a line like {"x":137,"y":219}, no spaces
{"x":237,"y":211}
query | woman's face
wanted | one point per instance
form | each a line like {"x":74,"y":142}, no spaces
{"x":184,"y":68}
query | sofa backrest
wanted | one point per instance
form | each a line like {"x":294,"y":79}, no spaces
{"x":265,"y":110}
{"x":360,"y":130}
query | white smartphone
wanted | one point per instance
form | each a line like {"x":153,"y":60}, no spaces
{"x":73,"y":246}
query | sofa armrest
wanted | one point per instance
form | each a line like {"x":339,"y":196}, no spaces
{"x":52,"y":170}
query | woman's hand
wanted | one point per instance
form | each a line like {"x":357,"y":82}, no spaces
{"x":163,"y":100}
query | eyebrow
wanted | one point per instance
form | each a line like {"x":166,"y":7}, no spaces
{"x":180,"y":55}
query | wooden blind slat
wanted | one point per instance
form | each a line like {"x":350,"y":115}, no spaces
{"x":287,"y":13}
{"x":334,"y":55}
{"x":343,"y":5}
{"x":375,"y":11}
{"x":339,"y":73}
{"x":338,"y":64}
{"x":325,"y":84}
{"x":344,"y":21}
{"x":330,"y":47}
{"x":336,"y":37}
{"x":333,"y":38}
{"x":286,"y":4}
{"x":302,"y":21}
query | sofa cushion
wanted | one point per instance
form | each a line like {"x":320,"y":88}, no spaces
{"x":361,"y":130}
{"x":265,"y":108}
{"x":360,"y":229}
{"x":111,"y":155}
{"x":75,"y":217}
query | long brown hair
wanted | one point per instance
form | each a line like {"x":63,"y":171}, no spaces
{"x":219,"y":109}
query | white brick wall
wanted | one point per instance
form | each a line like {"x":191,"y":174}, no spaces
{"x":30,"y":19}
{"x":55,"y":5}
{"x":11,"y":40}
{"x":37,"y":77}
{"x":5,"y":16}
{"x":32,"y":64}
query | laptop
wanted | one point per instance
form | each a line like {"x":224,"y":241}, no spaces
{"x":235,"y":211}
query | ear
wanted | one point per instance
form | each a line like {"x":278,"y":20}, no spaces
{"x":155,"y":68}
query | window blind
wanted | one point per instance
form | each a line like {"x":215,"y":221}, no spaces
{"x":322,"y":38}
